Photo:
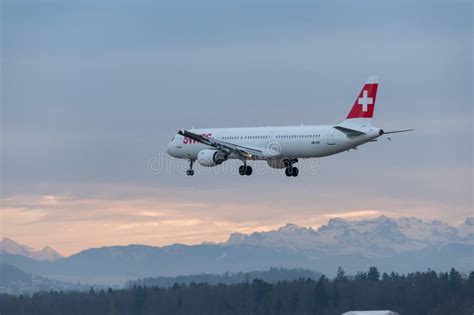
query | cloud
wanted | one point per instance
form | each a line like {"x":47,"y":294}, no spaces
{"x":74,"y":222}
{"x":353,"y":214}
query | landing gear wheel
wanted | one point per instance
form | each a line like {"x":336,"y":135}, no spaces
{"x":294,"y":171}
{"x":190,"y":172}
{"x":248,"y":172}
{"x":291,"y":171}
{"x":245,"y":170}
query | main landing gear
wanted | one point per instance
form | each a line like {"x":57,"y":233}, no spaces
{"x":190,"y":172}
{"x":290,"y":169}
{"x":245,"y":169}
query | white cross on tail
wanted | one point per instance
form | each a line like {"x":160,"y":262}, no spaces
{"x":365,"y":101}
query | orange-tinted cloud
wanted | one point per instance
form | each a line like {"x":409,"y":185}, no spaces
{"x":72,"y":223}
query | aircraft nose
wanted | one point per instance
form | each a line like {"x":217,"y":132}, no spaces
{"x":171,"y":149}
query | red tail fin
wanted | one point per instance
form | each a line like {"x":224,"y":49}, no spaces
{"x":365,"y":103}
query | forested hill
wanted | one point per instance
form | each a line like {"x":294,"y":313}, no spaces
{"x":417,"y":293}
{"x":271,"y":276}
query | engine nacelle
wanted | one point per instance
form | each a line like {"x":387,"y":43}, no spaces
{"x":211,"y":158}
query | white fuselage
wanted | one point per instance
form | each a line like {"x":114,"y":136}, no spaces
{"x":281,"y":146}
{"x":276,"y":142}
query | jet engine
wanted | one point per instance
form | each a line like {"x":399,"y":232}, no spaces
{"x":211,"y":158}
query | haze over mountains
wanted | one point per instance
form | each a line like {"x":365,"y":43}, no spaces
{"x":400,"y":245}
{"x":15,"y":281}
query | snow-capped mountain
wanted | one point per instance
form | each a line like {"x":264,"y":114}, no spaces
{"x":400,"y":245}
{"x":466,"y":230}
{"x":377,"y":237}
{"x":47,"y":253}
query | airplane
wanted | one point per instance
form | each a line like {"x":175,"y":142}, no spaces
{"x":281,"y":146}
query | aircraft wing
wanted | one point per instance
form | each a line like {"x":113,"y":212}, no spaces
{"x":228,"y":147}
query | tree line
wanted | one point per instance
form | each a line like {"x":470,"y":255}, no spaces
{"x":271,"y":276}
{"x":414,"y":293}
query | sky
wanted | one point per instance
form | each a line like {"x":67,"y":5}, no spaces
{"x":93,"y":91}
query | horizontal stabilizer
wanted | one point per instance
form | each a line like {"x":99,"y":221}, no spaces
{"x":349,"y":131}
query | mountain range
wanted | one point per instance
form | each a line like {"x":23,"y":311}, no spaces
{"x":47,"y":253}
{"x":379,"y":237}
{"x":400,"y":245}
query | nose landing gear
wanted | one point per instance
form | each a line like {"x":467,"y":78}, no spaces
{"x":190,"y":172}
